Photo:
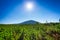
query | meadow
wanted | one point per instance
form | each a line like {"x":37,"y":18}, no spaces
{"x":38,"y":31}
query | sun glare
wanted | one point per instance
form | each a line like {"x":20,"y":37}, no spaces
{"x":29,"y":6}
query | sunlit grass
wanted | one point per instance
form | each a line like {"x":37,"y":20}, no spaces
{"x":30,"y":31}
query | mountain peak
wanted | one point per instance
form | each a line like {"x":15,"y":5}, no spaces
{"x":29,"y":22}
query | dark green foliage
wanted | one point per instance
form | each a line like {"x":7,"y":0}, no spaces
{"x":1,"y":29}
{"x":32,"y":37}
{"x":6,"y":38}
{"x":22,"y":36}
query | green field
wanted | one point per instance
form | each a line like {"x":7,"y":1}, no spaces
{"x":37,"y":31}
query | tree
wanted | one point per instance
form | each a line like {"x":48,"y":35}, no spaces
{"x":59,"y":20}
{"x":46,"y":21}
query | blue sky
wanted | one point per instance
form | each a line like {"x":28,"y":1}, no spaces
{"x":13,"y":11}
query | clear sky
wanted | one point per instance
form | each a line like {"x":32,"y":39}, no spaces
{"x":15,"y":11}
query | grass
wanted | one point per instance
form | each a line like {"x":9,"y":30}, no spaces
{"x":46,"y":31}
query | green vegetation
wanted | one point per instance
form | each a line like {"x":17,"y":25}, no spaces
{"x":37,"y":31}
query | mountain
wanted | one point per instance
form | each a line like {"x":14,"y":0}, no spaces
{"x":29,"y":22}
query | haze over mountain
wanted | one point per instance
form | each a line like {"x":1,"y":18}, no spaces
{"x":29,"y":22}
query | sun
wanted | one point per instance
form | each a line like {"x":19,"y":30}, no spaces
{"x":29,"y":6}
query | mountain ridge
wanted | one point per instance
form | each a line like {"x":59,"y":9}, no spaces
{"x":29,"y":22}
